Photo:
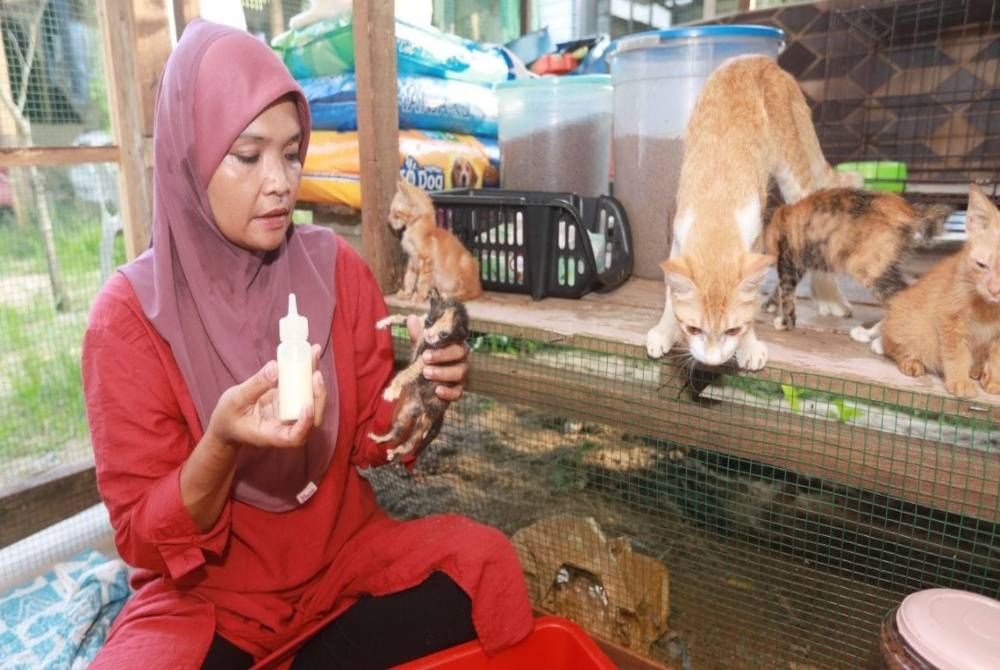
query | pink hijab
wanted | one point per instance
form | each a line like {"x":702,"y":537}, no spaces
{"x":218,"y":305}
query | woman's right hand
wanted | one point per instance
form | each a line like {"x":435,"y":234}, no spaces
{"x":247,"y":414}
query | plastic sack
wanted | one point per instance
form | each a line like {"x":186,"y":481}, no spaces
{"x":432,"y":160}
{"x":327,"y":48}
{"x":425,"y":103}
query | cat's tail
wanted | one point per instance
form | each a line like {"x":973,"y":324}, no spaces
{"x":930,"y":221}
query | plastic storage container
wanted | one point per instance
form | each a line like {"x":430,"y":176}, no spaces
{"x":555,"y":134}
{"x":542,"y":244}
{"x":879,"y":175}
{"x":555,"y":644}
{"x":941,"y":629}
{"x":657,"y":77}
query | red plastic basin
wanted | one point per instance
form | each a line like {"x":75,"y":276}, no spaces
{"x":555,"y":644}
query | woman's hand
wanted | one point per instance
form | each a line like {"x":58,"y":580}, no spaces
{"x":448,"y":365}
{"x":248,"y":413}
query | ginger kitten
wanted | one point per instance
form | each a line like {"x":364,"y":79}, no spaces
{"x":948,"y":321}
{"x":436,"y":259}
{"x":750,"y":123}
{"x":863,"y":234}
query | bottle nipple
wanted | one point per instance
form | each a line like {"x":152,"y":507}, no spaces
{"x":293,"y":326}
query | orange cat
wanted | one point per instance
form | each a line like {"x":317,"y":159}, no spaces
{"x":436,"y":259}
{"x":750,"y":123}
{"x":948,"y":322}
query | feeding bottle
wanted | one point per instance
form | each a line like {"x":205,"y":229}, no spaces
{"x":294,"y":363}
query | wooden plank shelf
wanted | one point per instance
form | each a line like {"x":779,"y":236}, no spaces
{"x":819,"y":355}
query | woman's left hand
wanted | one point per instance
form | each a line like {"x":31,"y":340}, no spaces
{"x":448,"y":365}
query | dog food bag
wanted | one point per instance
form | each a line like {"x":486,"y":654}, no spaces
{"x":425,"y":103}
{"x":327,"y":48}
{"x":432,"y":160}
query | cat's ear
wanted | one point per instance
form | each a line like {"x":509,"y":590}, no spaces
{"x":754,"y":272}
{"x":980,"y":213}
{"x":677,"y":275}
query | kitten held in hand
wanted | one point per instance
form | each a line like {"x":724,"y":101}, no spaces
{"x":750,"y":123}
{"x":419,"y":412}
{"x":436,"y":259}
{"x":863,"y":234}
{"x":948,"y":321}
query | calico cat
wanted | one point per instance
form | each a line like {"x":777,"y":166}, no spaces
{"x":419,"y":413}
{"x":863,"y":234}
{"x":948,"y":321}
{"x":750,"y":123}
{"x":436,"y":259}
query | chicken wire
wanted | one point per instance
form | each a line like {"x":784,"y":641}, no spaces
{"x":792,"y":510}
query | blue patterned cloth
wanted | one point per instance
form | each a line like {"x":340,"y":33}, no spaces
{"x":59,"y":620}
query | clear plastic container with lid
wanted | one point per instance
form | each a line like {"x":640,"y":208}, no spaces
{"x":941,"y":629}
{"x":657,"y":77}
{"x":555,"y":134}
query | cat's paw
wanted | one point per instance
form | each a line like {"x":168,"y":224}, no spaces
{"x":781,"y":323}
{"x":962,"y":387}
{"x":838,"y":308}
{"x":877,"y":347}
{"x":659,"y":341}
{"x":770,"y":305}
{"x":403,"y":294}
{"x":862,"y":334}
{"x":990,"y":379}
{"x":752,"y":354}
{"x":391,"y":392}
{"x":911,"y":368}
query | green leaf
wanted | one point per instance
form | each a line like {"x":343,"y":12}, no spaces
{"x":794,"y":396}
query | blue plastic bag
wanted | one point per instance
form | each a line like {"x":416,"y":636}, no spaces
{"x":425,"y":103}
{"x":326,"y":48}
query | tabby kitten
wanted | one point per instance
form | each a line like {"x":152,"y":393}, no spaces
{"x":863,"y":234}
{"x":948,"y":322}
{"x":750,"y":123}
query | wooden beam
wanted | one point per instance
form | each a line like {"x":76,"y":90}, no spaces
{"x":277,"y":18}
{"x":43,"y":501}
{"x":151,"y":46}
{"x":378,"y":134}
{"x":57,"y":156}
{"x":184,"y":12}
{"x":124,"y":97}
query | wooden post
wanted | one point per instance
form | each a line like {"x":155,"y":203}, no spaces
{"x":184,"y":12}
{"x":378,"y":135}
{"x":125,"y":98}
{"x":151,"y":46}
{"x":277,"y":18}
{"x":10,"y":137}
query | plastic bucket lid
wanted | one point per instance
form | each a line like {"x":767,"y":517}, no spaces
{"x":552,"y":82}
{"x":952,"y":629}
{"x":655,"y":38}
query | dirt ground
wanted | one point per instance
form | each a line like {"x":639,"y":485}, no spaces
{"x":735,"y":603}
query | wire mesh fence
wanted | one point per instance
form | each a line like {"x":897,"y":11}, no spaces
{"x":58,"y":240}
{"x":791,"y":510}
{"x":913,"y":82}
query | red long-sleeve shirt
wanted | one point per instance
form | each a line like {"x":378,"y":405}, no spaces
{"x":264,"y":580}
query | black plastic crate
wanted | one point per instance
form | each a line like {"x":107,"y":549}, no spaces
{"x":540,"y":243}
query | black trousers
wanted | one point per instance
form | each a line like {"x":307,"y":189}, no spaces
{"x":376,"y":633}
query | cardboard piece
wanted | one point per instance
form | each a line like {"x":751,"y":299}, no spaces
{"x":574,"y":571}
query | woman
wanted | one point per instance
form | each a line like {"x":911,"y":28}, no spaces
{"x":255,"y":540}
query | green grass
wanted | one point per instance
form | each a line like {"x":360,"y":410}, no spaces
{"x":41,"y":396}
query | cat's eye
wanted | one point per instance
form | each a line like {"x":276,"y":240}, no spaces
{"x":733,"y":332}
{"x":693,"y":331}
{"x":981,"y":265}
